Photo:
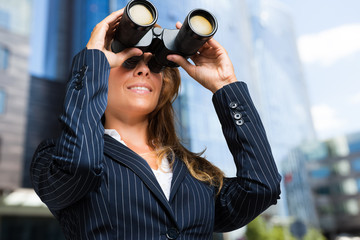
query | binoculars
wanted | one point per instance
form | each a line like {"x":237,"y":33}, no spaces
{"x":140,"y":17}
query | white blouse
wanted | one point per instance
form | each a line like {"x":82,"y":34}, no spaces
{"x":163,"y":174}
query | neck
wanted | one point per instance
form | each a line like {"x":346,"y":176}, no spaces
{"x":131,"y":129}
{"x":133,"y":132}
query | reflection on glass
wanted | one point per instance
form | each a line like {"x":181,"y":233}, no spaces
{"x":2,"y":101}
{"x":4,"y":58}
{"x":355,"y":165}
{"x":321,"y":173}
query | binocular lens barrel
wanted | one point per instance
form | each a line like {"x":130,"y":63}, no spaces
{"x":138,"y":18}
{"x":201,"y":25}
{"x":140,"y":14}
{"x":198,"y":27}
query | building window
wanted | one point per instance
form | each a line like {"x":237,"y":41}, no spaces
{"x":4,"y":58}
{"x":324,"y":190}
{"x":2,"y":101}
{"x":4,"y":19}
{"x":320,"y":173}
{"x":349,"y":207}
{"x":355,"y":164}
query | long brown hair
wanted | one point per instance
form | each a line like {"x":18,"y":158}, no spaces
{"x":162,"y":134}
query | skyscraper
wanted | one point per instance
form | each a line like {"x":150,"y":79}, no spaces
{"x":14,"y":83}
{"x":281,"y":91}
{"x":279,"y":86}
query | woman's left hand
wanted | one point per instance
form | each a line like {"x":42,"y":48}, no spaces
{"x":213,"y":68}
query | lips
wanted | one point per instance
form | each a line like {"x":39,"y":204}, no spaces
{"x":141,"y":88}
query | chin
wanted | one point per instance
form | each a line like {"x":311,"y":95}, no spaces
{"x":144,"y":109}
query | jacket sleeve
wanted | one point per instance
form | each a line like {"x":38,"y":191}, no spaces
{"x":257,"y":182}
{"x":66,"y":169}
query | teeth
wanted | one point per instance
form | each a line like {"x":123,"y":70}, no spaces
{"x":141,"y":88}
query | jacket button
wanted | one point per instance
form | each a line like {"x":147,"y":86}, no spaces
{"x":233,"y":105}
{"x":78,"y":86}
{"x":237,"y":115}
{"x":240,"y":122}
{"x":172,"y":233}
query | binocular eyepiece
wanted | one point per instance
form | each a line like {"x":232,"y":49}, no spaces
{"x":140,"y":17}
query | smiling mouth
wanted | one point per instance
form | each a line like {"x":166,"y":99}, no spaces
{"x":136,"y":88}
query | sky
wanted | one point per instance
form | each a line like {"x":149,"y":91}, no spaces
{"x":328,"y":37}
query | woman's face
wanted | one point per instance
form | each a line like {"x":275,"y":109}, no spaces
{"x":133,"y":92}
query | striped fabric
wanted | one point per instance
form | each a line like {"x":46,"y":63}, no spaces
{"x":98,"y":188}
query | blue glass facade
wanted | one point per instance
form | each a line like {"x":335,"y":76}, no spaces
{"x":2,"y":101}
{"x":354,"y":142}
{"x":279,"y":87}
{"x":15,"y":16}
{"x":283,"y":100}
{"x":355,"y":165}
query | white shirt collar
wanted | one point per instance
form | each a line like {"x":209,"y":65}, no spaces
{"x":113,"y":133}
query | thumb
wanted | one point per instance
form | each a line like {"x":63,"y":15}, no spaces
{"x":119,"y":58}
{"x":129,"y":52}
{"x":182,"y":62}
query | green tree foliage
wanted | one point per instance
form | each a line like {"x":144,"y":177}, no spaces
{"x":314,"y":234}
{"x":258,"y":229}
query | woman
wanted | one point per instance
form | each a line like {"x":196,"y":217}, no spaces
{"x":118,"y":170}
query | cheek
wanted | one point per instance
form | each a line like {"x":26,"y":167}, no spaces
{"x":159,"y":82}
{"x":116,"y":79}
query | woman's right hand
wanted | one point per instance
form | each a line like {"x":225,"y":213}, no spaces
{"x":101,"y":38}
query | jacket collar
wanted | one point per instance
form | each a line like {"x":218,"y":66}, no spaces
{"x":124,"y":155}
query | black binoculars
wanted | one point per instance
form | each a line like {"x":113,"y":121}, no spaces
{"x":140,"y":17}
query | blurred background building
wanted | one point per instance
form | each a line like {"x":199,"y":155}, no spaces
{"x":330,"y":172}
{"x":14,"y":90}
{"x":38,"y":39}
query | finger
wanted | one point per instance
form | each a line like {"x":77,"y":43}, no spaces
{"x":113,"y":16}
{"x":213,"y":43}
{"x":195,"y":58}
{"x":116,"y":60}
{"x":130,"y":52}
{"x":178,"y":25}
{"x":182,"y":62}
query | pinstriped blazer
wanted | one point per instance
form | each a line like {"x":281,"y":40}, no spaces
{"x":98,"y":188}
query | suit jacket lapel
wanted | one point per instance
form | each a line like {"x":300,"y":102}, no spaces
{"x":179,"y":172}
{"x":139,"y":166}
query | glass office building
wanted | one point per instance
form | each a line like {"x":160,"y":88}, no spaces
{"x":281,"y":92}
{"x":335,"y":184}
{"x":278,"y":83}
{"x":330,"y":172}
{"x":14,"y":87}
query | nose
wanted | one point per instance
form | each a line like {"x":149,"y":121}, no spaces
{"x":142,"y":68}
